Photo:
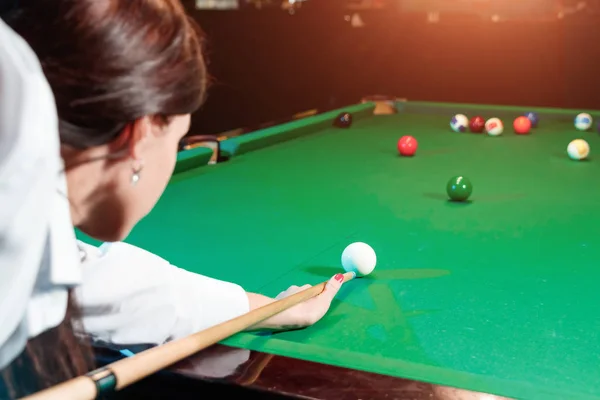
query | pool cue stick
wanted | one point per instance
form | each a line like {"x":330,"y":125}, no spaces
{"x":124,"y":372}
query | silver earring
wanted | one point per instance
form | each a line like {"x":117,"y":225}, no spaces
{"x":135,"y":177}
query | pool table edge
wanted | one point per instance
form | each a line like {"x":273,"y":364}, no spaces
{"x":199,"y":157}
{"x":192,"y":158}
{"x":288,"y":377}
{"x":290,"y":130}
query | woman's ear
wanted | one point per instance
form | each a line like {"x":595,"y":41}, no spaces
{"x":141,"y":130}
{"x":130,"y":141}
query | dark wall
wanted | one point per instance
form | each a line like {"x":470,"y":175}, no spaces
{"x":582,"y":64}
{"x":268,"y":65}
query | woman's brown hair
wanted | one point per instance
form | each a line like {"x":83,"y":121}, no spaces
{"x":109,"y":63}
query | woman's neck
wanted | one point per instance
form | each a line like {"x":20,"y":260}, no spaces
{"x":83,"y":171}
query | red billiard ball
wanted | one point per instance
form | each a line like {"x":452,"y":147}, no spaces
{"x":522,"y":125}
{"x":407,"y":146}
{"x":477,"y":125}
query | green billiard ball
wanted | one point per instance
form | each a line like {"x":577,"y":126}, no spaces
{"x":459,"y":188}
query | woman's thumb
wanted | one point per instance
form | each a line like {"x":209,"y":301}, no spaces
{"x":333,"y":286}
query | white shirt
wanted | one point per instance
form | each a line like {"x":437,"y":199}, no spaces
{"x":33,"y":287}
{"x":128,"y":295}
{"x":131,"y":296}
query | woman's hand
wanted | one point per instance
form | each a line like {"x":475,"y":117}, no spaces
{"x":301,"y":315}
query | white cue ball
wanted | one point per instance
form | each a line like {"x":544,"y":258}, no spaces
{"x":359,"y":258}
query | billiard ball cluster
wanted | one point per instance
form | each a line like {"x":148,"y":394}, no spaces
{"x":493,"y":126}
{"x":577,"y":149}
{"x":459,"y":188}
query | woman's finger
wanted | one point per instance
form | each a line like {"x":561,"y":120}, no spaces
{"x":331,"y":288}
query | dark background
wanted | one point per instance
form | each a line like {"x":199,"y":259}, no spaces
{"x":268,"y":64}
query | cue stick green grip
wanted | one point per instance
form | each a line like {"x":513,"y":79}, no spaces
{"x":132,"y":369}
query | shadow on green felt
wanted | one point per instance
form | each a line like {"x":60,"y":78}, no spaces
{"x":431,"y":152}
{"x":444,"y":198}
{"x":454,"y":203}
{"x":501,"y":197}
{"x":378,"y":275}
{"x":564,"y":156}
{"x":322,"y":271}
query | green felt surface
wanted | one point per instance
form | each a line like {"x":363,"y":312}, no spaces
{"x":499,"y":294}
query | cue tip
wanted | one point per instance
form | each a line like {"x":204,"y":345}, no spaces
{"x":349,"y":276}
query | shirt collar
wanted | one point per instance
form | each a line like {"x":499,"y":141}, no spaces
{"x":65,"y":261}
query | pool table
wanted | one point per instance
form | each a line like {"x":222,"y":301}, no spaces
{"x":498,"y":294}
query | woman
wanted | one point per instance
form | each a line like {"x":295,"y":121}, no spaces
{"x":125,"y":76}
